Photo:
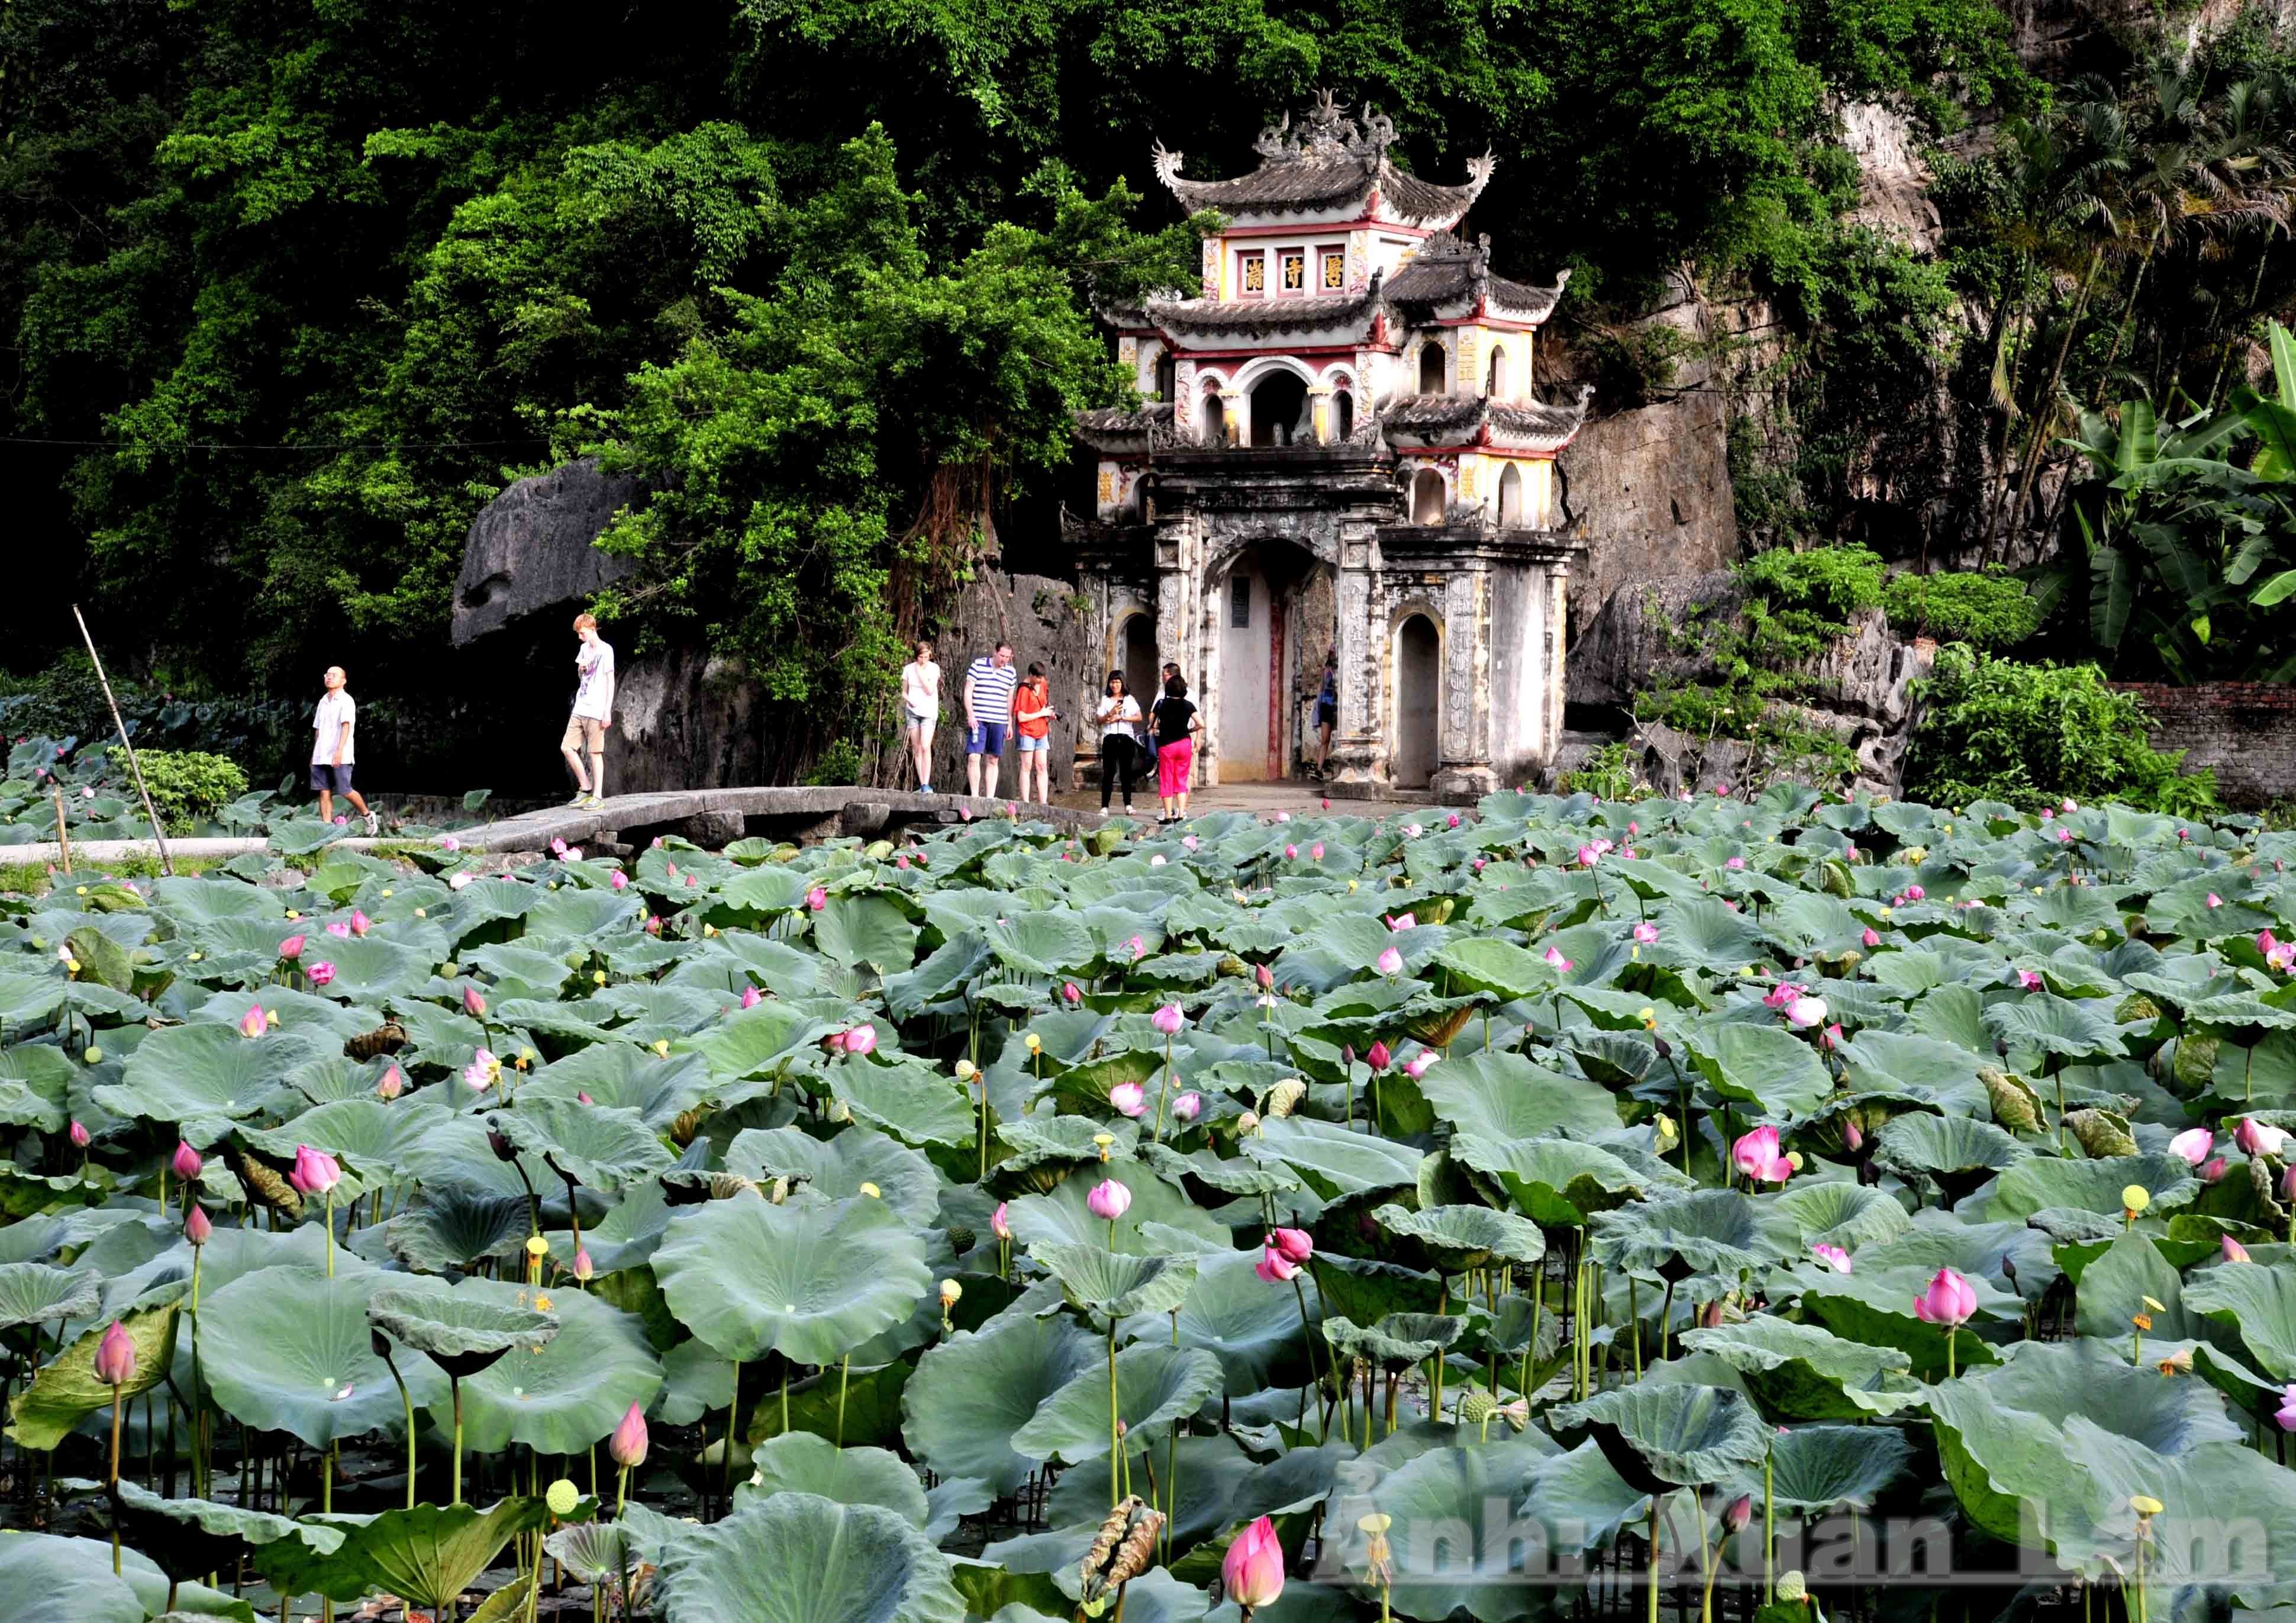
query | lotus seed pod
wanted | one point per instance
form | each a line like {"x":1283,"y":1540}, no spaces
{"x":961,"y":1239}
{"x":563,"y":1497}
{"x":1476,"y":1407}
{"x":1793,"y":1588}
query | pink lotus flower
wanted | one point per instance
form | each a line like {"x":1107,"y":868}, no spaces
{"x":342,"y":822}
{"x":482,"y":1071}
{"x":339,"y":929}
{"x":1326,"y":802}
{"x":654,"y":925}
{"x":2212,"y":1171}
{"x":2255,"y":1138}
{"x":1283,"y":817}
{"x":1168,"y":1019}
{"x":1071,"y":994}
{"x":558,"y":847}
{"x":2286,"y":1415}
{"x":584,"y":1098}
{"x":1949,"y":1301}
{"x":1416,"y":1065}
{"x":1275,"y":1267}
{"x":360,"y":923}
{"x":316,"y":1172}
{"x":197,"y":1229}
{"x":1805,"y":1012}
{"x":322,"y":974}
{"x":1291,"y":854}
{"x":1833,"y":1037}
{"x":186,"y":1161}
{"x":1389,"y":962}
{"x":2233,"y":1250}
{"x":1740,"y":1512}
{"x":1186,"y":1106}
{"x":1588,"y":856}
{"x":474,"y":1005}
{"x":1188,"y":842}
{"x":1128,"y":1099}
{"x":2193,"y":1145}
{"x":618,"y":879}
{"x":1379,"y":1056}
{"x":2029,"y":979}
{"x":1315,"y":850}
{"x":1833,"y":1257}
{"x":2215,"y":900}
{"x":2070,"y":803}
{"x":1781,"y":996}
{"x":1253,"y":1570}
{"x":1137,"y":948}
{"x":450,"y":843}
{"x":2064,"y":837}
{"x":392,"y":1085}
{"x":1735,"y":863}
{"x":1915,"y":893}
{"x":1870,"y":938}
{"x":1403,"y":922}
{"x":1646,"y":933}
{"x":1296,"y":1244}
{"x":903,"y":863}
{"x":626,"y":1448}
{"x":2283,"y":957}
{"x":1756,"y":1154}
{"x":79,"y":1134}
{"x":817,"y":898}
{"x":1557,"y":962}
{"x":251,"y":1024}
{"x":861,"y":1040}
{"x":291,"y":949}
{"x":1000,"y":1220}
{"x":115,"y":1357}
{"x":1108,"y":1200}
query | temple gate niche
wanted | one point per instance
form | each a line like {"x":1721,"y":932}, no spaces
{"x":1337,"y":448}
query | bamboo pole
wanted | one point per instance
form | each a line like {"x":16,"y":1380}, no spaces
{"x":167,"y":865}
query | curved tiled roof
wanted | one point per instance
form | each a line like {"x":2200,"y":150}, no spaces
{"x":1331,"y":160}
{"x":1459,"y":418}
{"x":1261,"y":317}
{"x":1446,"y":268}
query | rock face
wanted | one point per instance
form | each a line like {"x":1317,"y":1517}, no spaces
{"x":1046,"y":622}
{"x":1892,"y":180}
{"x":529,"y":548}
{"x":1859,"y":689}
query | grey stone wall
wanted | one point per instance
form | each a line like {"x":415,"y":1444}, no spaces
{"x":1048,"y":622}
{"x":2245,"y":731}
{"x":1649,"y":492}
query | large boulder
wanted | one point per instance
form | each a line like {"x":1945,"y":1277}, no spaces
{"x":529,"y":548}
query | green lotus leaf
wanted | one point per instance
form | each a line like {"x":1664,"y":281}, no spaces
{"x":289,"y":1349}
{"x":449,"y":1227}
{"x":1451,"y":1556}
{"x":594,"y":1551}
{"x":598,"y":1146}
{"x":1211,"y":1469}
{"x":811,"y":1282}
{"x":1154,"y":1386}
{"x":907,"y":1098}
{"x":1957,"y":1152}
{"x":431,"y":1554}
{"x":972,"y":1391}
{"x":1504,"y":1096}
{"x":797,"y":1557}
{"x":66,"y":1390}
{"x":2041,"y":1181}
{"x":1247,"y":1322}
{"x":836,"y":1168}
{"x":756,"y":1040}
{"x":1558,"y":1183}
{"x":1335,"y":1162}
{"x":65,"y":1581}
{"x":185,"y":1537}
{"x":1814,"y":1469}
{"x":1064,"y":1217}
{"x":375,"y":1141}
{"x":1805,"y":1373}
{"x":1840,"y":1214}
{"x":1675,"y":1435}
{"x":2054,"y":1025}
{"x":1115,"y":1284}
{"x":464,"y":1328}
{"x":202,"y":1073}
{"x":33,"y":1293}
{"x":1397,"y":1341}
{"x":1581,"y":1500}
{"x":2257,"y":1302}
{"x":1484,"y":963}
{"x":34,"y":1081}
{"x":1460,"y":1238}
{"x":1239,"y":1176}
{"x":1874,"y":1306}
{"x":1036,"y":1140}
{"x":870,"y":931}
{"x":1767,"y":1067}
{"x":560,"y":1395}
{"x":1714,"y":1231}
{"x":800,"y":1462}
{"x":2114,"y":1287}
{"x":621,"y":1077}
{"x":1041,"y":943}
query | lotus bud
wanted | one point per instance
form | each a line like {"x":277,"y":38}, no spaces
{"x":316,"y":1172}
{"x":1740,"y":1512}
{"x":861,"y":1040}
{"x":2255,"y":1138}
{"x":251,"y":1024}
{"x":186,"y":1162}
{"x":1709,"y":1317}
{"x":1294,"y":1243}
{"x":1379,"y":1057}
{"x":1348,"y":1056}
{"x":584,"y":1268}
{"x":1072,"y":993}
{"x":322,"y":974}
{"x":1853,"y":1136}
{"x":79,"y":1134}
{"x":1186,"y":1106}
{"x":501,"y":1145}
{"x":1128,"y":1099}
{"x":115,"y":1357}
{"x":1833,"y":1257}
{"x":196,"y":1226}
{"x":1252,"y":1571}
{"x":628,"y":1445}
{"x":1108,"y":1200}
{"x":1389,"y":962}
{"x":392,"y":1085}
{"x":2211,"y":1171}
{"x":584,"y":1098}
{"x":291,"y":949}
{"x":1000,"y":1220}
{"x":1949,"y":1301}
{"x":1167,"y":1019}
{"x":2233,"y":1250}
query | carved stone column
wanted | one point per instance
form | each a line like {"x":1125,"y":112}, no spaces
{"x":1359,"y":747}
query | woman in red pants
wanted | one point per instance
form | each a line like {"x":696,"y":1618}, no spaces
{"x":1176,"y":723}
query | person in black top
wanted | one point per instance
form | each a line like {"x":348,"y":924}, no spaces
{"x":1327,"y":711}
{"x":1177,"y":725}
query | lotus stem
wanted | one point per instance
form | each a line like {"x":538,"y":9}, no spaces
{"x":1948,"y":1350}
{"x":326,"y":1507}
{"x":117,"y":1399}
{"x":844,"y":1375}
{"x":1770,"y":1528}
{"x":1164,"y":1092}
{"x":455,"y":1382}
{"x":785,"y":1370}
{"x":1115,"y":1426}
{"x":406,"y":1401}
{"x":622,"y":1570}
{"x":1635,"y":1320}
{"x":1653,"y":1557}
{"x":733,"y":1413}
{"x":331,"y":1261}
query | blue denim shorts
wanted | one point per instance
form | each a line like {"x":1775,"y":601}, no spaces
{"x":985,"y":738}
{"x":335,"y":780}
{"x":1028,"y":746}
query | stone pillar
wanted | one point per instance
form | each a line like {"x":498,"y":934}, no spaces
{"x":1463,"y":768}
{"x":1319,"y":405}
{"x":1558,"y":575}
{"x":1359,"y":746}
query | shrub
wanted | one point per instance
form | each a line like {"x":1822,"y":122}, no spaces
{"x":1987,"y":611}
{"x":1613,"y":772}
{"x":1998,"y":730}
{"x":840,"y":763}
{"x":1836,"y":581}
{"x":188,"y":786}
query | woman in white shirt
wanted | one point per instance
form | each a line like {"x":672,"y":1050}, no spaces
{"x":1119,"y":716}
{"x":921,"y":708}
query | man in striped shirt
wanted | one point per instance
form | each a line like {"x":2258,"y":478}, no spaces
{"x":988,"y":684}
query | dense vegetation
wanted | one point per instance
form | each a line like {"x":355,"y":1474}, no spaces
{"x":1332,"y":1219}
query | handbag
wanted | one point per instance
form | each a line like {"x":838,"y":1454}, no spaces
{"x":1144,"y":734}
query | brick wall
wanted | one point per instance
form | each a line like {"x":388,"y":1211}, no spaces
{"x":2245,"y":731}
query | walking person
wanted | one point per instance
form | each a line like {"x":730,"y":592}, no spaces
{"x":988,"y":684}
{"x":1177,"y":725}
{"x":1119,"y":716}
{"x":1033,"y":716}
{"x":593,"y":712}
{"x":1327,"y":712}
{"x":333,"y":752}
{"x":921,"y":705}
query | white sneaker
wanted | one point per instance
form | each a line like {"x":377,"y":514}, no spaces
{"x":373,"y":825}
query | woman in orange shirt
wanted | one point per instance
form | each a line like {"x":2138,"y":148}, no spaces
{"x":1032,"y":725}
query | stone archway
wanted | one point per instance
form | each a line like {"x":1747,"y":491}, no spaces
{"x":1427,"y":497}
{"x":1249,"y":689}
{"x":1279,"y":410}
{"x":1136,"y":657}
{"x":1418,"y":665}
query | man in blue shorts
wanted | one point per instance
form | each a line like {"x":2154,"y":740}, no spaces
{"x":988,"y":684}
{"x":334,"y":751}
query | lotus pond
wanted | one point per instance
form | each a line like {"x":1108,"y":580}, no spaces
{"x":1763,"y":1210}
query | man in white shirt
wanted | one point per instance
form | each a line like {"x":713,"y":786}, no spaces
{"x":593,"y":712}
{"x":334,"y":751}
